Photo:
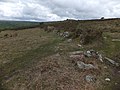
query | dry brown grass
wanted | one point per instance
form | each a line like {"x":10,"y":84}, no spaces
{"x":16,"y":46}
{"x":36,"y":60}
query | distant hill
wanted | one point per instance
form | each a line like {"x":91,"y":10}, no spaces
{"x":10,"y":25}
{"x":112,"y":24}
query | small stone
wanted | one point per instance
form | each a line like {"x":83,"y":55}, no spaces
{"x":87,"y":53}
{"x":118,"y":71}
{"x":100,"y":57}
{"x":79,"y":45}
{"x":61,"y":34}
{"x":115,"y":40}
{"x":76,"y":52}
{"x":105,"y":67}
{"x":69,"y":40}
{"x":117,"y":64}
{"x":105,"y":37}
{"x":65,"y":34}
{"x":107,"y":79}
{"x":112,"y":61}
{"x":61,"y":49}
{"x":57,"y":55}
{"x":116,"y":83}
{"x":89,"y":78}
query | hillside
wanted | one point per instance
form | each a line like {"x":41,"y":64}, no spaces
{"x":63,"y":55}
{"x":112,"y":25}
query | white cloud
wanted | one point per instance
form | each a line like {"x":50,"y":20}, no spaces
{"x":48,"y":10}
{"x":26,"y":10}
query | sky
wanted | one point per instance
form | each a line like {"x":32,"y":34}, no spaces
{"x":55,"y":10}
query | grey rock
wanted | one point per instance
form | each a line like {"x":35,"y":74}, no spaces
{"x":82,"y":65}
{"x":61,"y":34}
{"x":116,"y":83}
{"x":90,"y":53}
{"x":57,"y":55}
{"x":105,"y":37}
{"x":100,"y":57}
{"x":115,"y":40}
{"x":119,"y":72}
{"x":105,"y":67}
{"x":112,"y":61}
{"x":89,"y":78}
{"x":79,"y":45}
{"x":76,"y":52}
{"x":69,"y":40}
{"x":65,"y":34}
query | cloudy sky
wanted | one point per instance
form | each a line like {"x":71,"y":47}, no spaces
{"x":52,"y":10}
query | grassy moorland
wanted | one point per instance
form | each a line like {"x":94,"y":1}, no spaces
{"x":100,"y":35}
{"x":39,"y":59}
{"x":89,"y":31}
{"x":26,"y":56}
